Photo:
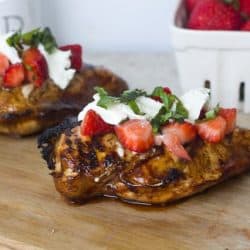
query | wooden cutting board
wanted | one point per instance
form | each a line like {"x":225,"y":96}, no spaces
{"x":34,"y":216}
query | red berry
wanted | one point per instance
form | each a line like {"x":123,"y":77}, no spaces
{"x":76,"y":55}
{"x":245,"y":26}
{"x":214,"y":15}
{"x":4,"y":64}
{"x":36,"y":66}
{"x":186,"y":132}
{"x":173,"y":145}
{"x":167,"y":90}
{"x":245,"y":8}
{"x":190,"y":4}
{"x":14,"y":76}
{"x":135,"y":135}
{"x":212,"y":130}
{"x":230,"y":116}
{"x":93,"y":124}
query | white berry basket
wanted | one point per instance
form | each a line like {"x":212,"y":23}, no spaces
{"x":218,"y":59}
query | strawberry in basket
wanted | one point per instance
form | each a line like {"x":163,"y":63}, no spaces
{"x":215,"y":15}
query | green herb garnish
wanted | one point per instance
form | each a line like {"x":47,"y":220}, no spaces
{"x":173,"y":109}
{"x":33,"y":39}
{"x":211,"y":114}
{"x":127,"y":97}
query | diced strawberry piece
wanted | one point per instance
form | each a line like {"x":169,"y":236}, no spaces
{"x":76,"y":55}
{"x":36,"y":66}
{"x":186,"y":132}
{"x":173,"y":145}
{"x":14,"y":76}
{"x":4,"y":64}
{"x":167,"y":90}
{"x":135,"y":135}
{"x":230,"y":116}
{"x":93,"y":124}
{"x":212,"y":130}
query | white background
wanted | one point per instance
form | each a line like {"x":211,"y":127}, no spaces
{"x":110,"y":25}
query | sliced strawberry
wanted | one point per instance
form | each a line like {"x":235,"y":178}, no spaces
{"x":212,"y":130}
{"x":135,"y":135}
{"x":4,"y":64}
{"x":173,"y":145}
{"x":230,"y":116}
{"x":36,"y":66}
{"x":186,"y":132}
{"x":14,"y":76}
{"x":93,"y":124}
{"x":76,"y":55}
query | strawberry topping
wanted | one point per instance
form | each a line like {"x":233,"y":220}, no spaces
{"x":14,"y":76}
{"x":93,"y":124}
{"x":186,"y":132}
{"x":173,"y":145}
{"x":230,"y":116}
{"x":76,"y":55}
{"x":135,"y":135}
{"x":36,"y":66}
{"x":4,"y":64}
{"x":212,"y":130}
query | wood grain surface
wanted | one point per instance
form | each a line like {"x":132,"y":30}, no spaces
{"x":34,"y":216}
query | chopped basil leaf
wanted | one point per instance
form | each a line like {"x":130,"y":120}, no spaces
{"x":33,"y":38}
{"x":173,"y":109}
{"x":133,"y":105}
{"x":211,"y":114}
{"x":128,"y":97}
{"x":131,"y":95}
{"x":181,"y":110}
{"x":105,"y":99}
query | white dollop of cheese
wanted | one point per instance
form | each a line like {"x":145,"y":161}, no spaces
{"x":119,"y":111}
{"x":194,"y":100}
{"x":148,"y":106}
{"x":59,"y":66}
{"x":7,"y":50}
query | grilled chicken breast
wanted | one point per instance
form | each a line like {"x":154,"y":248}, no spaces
{"x":85,"y":168}
{"x":48,"y":105}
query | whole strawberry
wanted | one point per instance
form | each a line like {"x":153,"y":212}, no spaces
{"x":190,"y":4}
{"x":245,"y":26}
{"x":215,"y":15}
{"x":245,"y":8}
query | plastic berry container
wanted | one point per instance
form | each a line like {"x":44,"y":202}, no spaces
{"x":219,"y":60}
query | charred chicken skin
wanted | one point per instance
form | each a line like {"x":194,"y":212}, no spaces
{"x":85,"y":166}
